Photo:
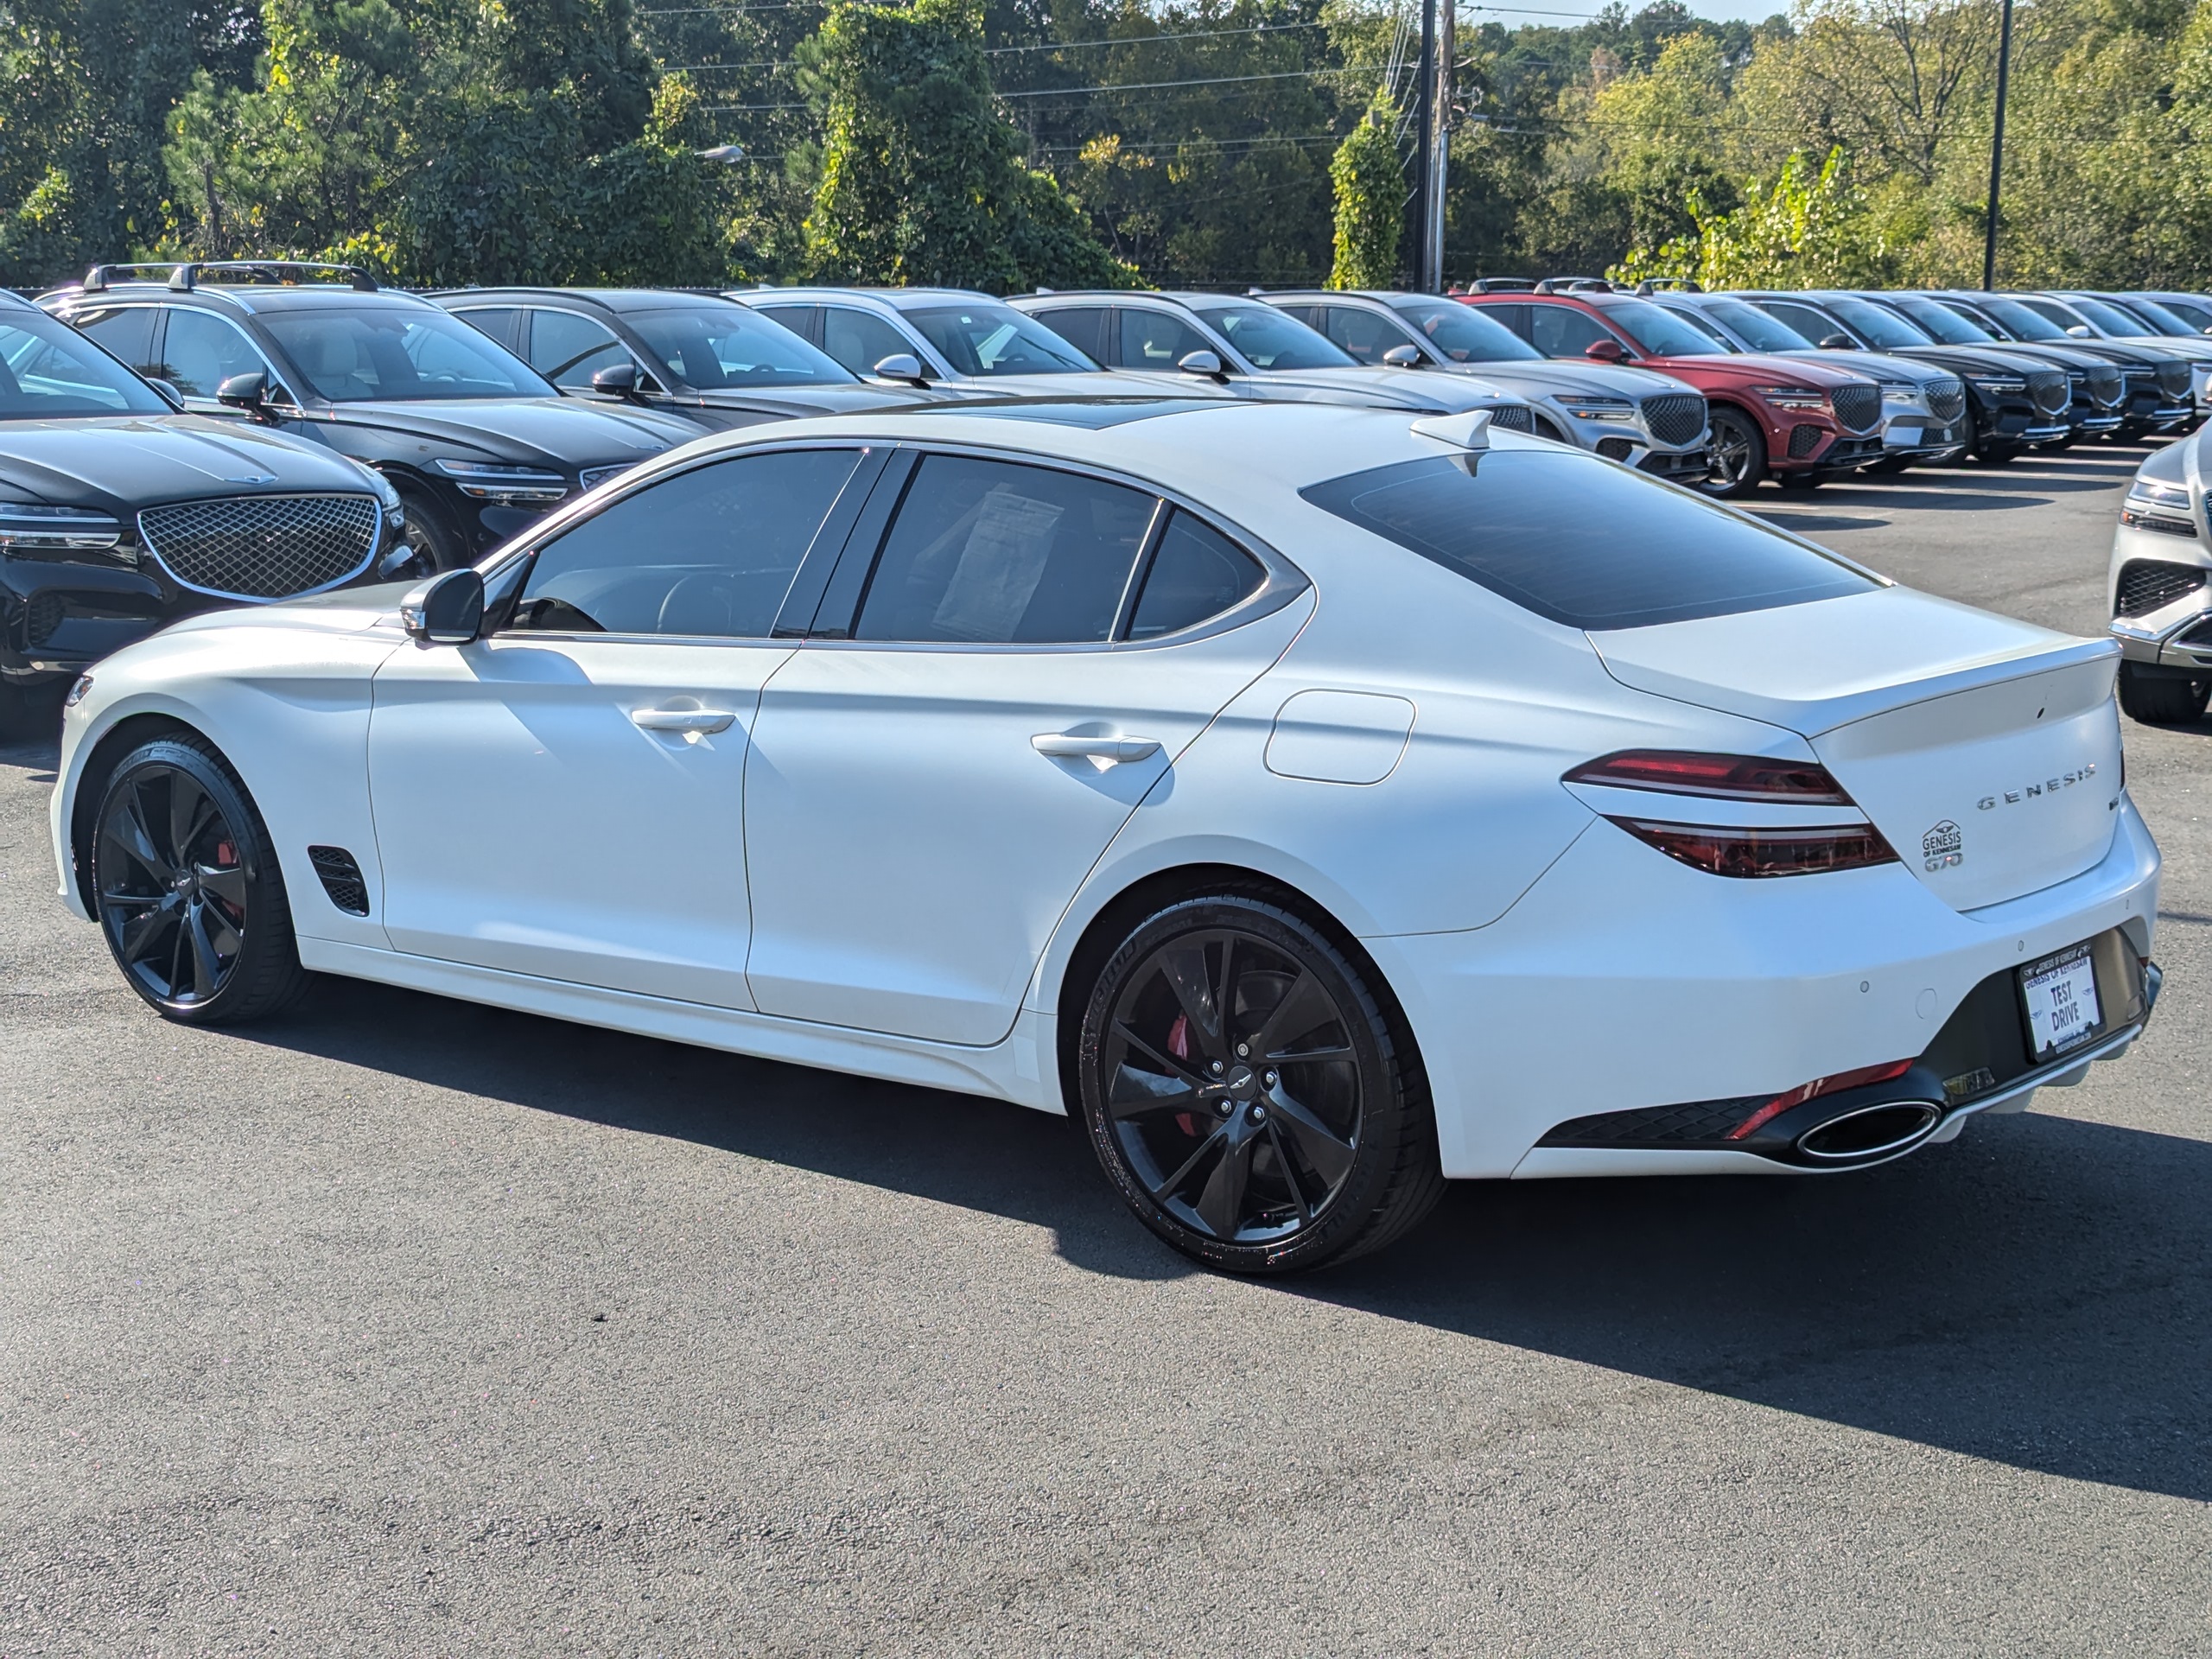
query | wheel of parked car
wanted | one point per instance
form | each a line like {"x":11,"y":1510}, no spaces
{"x":187,"y":890}
{"x":438,"y":544}
{"x":1250,"y":1094}
{"x":1739,"y":454}
{"x":2160,"y":700}
{"x":1799,"y":481}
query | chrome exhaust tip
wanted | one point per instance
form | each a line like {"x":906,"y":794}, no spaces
{"x":1869,"y":1132}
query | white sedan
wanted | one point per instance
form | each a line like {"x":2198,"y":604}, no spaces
{"x":1322,"y":802}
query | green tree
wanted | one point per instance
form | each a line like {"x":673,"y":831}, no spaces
{"x":1809,"y":229}
{"x":921,"y":179}
{"x":1370,"y":188}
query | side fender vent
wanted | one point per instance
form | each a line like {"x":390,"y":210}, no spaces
{"x":341,"y":879}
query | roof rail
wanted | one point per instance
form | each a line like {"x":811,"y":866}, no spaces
{"x":185,"y":276}
{"x":1663,"y":284}
{"x":99,"y":276}
{"x":1574,"y":285}
{"x":1501,"y":285}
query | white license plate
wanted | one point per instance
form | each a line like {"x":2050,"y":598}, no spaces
{"x":2061,"y":993}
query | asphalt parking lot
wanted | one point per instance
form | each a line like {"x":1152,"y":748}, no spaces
{"x":402,"y":1326}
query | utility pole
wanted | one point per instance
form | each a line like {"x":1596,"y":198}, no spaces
{"x":1997,"y":151}
{"x":1424,"y":168}
{"x":1440,"y":154}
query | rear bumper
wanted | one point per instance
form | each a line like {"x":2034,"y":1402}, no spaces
{"x":1623,"y":981}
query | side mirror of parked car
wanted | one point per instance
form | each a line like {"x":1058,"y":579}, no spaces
{"x":2079,"y":330}
{"x":1838,"y":343}
{"x":175,"y":399}
{"x":1403,"y":356}
{"x":1605,"y":351}
{"x":247,"y":391}
{"x":619,"y":380}
{"x":447,"y":610}
{"x":1206,"y":363}
{"x":900,"y":365}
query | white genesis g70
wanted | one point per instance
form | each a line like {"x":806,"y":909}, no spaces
{"x":1319,"y":803}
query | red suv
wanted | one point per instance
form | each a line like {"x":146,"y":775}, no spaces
{"x":1804,"y":422}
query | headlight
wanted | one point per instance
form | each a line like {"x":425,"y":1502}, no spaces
{"x":1793,"y":396}
{"x":1599,"y":409}
{"x":25,"y":525}
{"x":2153,"y":504}
{"x":488,"y":482}
{"x":2000,"y":382}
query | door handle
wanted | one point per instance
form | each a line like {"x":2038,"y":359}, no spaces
{"x":682,"y":720}
{"x":1112,"y":750}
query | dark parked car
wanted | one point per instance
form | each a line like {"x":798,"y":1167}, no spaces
{"x":479,"y":444}
{"x":710,"y":360}
{"x":2097,"y":386}
{"x":2157,"y":381}
{"x":118,"y":513}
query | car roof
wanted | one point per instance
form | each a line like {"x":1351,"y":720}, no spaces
{"x":11,"y":297}
{"x":606,"y":299}
{"x":892,"y":299}
{"x":255,"y":298}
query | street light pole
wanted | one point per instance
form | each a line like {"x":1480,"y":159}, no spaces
{"x":1997,"y":151}
{"x":1424,"y":171}
{"x":1433,"y":226}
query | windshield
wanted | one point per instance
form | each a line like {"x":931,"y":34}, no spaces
{"x":2161,"y":316}
{"x":358,"y":357}
{"x":1270,"y":339}
{"x":1464,"y":334}
{"x":2198,"y":318}
{"x":2024,"y":323}
{"x":1942,"y":323}
{"x":1659,"y":331}
{"x":710,"y":346}
{"x":986,"y":339}
{"x":1756,"y":329}
{"x":47,"y":368}
{"x":2110,"y":318}
{"x":1884,"y":327}
{"x":1704,"y":324}
{"x":1544,"y":530}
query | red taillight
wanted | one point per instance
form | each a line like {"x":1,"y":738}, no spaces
{"x":1813,"y":1090}
{"x":1721,"y":851}
{"x":1729,"y":776}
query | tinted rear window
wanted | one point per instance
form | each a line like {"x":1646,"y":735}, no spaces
{"x":1583,"y":542}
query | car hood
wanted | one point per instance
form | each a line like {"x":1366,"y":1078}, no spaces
{"x":341,"y":610}
{"x":1978,"y":360}
{"x":1879,"y":365}
{"x":1761,"y":366}
{"x":572,"y":432}
{"x":1099,"y":383}
{"x":1392,"y":388}
{"x":1545,"y":377}
{"x":120,"y":464}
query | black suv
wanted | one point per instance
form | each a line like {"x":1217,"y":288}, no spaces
{"x":2158,"y":383}
{"x":478,"y":443}
{"x":118,"y":513}
{"x":710,"y":360}
{"x":2098,"y":388}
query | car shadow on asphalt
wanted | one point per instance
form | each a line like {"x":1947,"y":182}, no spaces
{"x":2036,"y":1294}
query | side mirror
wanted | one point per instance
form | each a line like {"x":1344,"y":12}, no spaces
{"x":1403,"y":356}
{"x":447,"y":610}
{"x":1604,"y":351}
{"x":2079,"y":330}
{"x":175,"y":399}
{"x":247,"y":391}
{"x":619,"y":380}
{"x":1206,"y":363}
{"x":900,"y":365}
{"x":1838,"y":343}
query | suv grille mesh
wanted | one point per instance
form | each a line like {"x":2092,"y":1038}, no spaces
{"x":2107,"y":387}
{"x":2050,"y":389}
{"x":2146,"y":585}
{"x":594,"y":476}
{"x":1513,"y":417}
{"x":1675,"y":417}
{"x":1946,"y":400}
{"x":263,"y":546}
{"x":1858,"y":408}
{"x":1804,"y":439}
{"x":2173,"y":379}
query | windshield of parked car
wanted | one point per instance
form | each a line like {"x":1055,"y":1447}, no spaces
{"x":359,"y":356}
{"x":49,"y":369}
{"x":2022,"y":323}
{"x":2110,"y":318}
{"x":1944,"y":324}
{"x":709,"y":346}
{"x":2162,"y":317}
{"x":2198,"y":317}
{"x":986,"y":339}
{"x":1544,"y":530}
{"x":1270,"y":339}
{"x":1756,"y":328}
{"x":1703,"y":324}
{"x":1463,"y":334}
{"x":1659,"y":331}
{"x":1887,"y":330}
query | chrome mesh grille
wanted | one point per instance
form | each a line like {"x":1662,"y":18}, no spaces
{"x":1858,"y":408}
{"x":2147,"y":585}
{"x":2174,"y":379}
{"x":2051,"y":389}
{"x":2107,"y":387}
{"x":263,"y":546}
{"x":1946,"y":400}
{"x":594,"y":476}
{"x":1513,"y":417}
{"x":1675,"y":417}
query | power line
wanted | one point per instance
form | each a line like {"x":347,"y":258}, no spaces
{"x":1156,"y":85}
{"x":1141,"y":40}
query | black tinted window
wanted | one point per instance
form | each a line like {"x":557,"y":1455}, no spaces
{"x":1083,"y":327}
{"x":127,"y":331}
{"x":568,"y":350}
{"x":48,"y":370}
{"x":1153,"y":339}
{"x":1198,"y":573}
{"x":859,"y":342}
{"x":1583,"y":542}
{"x":1561,"y":331}
{"x":502,"y":322}
{"x":707,"y":552}
{"x":989,"y":553}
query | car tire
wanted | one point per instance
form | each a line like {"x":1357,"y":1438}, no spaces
{"x":437,"y":541}
{"x":1738,"y":450}
{"x":1250,"y":1167}
{"x":1800,"y":481}
{"x":1888,"y":466}
{"x":187,"y":889}
{"x":2160,"y":699}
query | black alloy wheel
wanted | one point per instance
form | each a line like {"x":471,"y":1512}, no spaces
{"x":1248,"y":1094}
{"x":187,"y":890}
{"x":437,"y":544}
{"x":1739,"y":452}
